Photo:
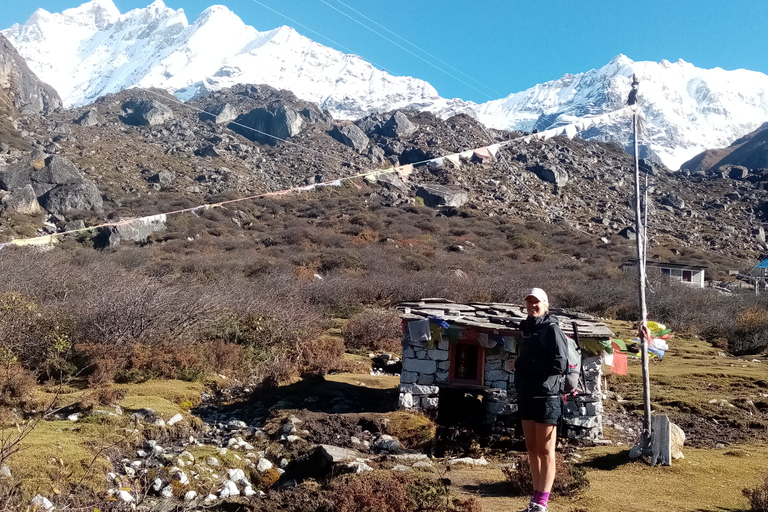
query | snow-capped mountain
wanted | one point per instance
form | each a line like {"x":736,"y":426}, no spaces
{"x":92,"y":50}
{"x":685,"y":109}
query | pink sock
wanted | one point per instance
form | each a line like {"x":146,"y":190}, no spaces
{"x":543,"y":498}
{"x":536,"y":496}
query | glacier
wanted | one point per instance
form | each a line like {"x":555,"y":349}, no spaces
{"x":92,"y":50}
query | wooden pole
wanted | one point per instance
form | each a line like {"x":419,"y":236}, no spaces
{"x":646,"y":439}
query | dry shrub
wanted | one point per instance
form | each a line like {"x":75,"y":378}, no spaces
{"x":321,"y":355}
{"x":750,"y":335}
{"x":16,"y":384}
{"x":374,"y":329}
{"x":570,"y":480}
{"x":758,"y":497}
{"x":379,"y":492}
{"x":223,"y":357}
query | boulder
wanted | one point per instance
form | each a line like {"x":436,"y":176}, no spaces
{"x":550,"y":174}
{"x":138,"y":230}
{"x":14,"y":176}
{"x":676,"y":441}
{"x":376,"y":155}
{"x":219,"y":114}
{"x":164,"y":178}
{"x":335,"y":454}
{"x":737,"y":172}
{"x":392,"y":182}
{"x":88,"y":119}
{"x":371,"y":125}
{"x":75,"y":196}
{"x":674,"y":201}
{"x":629,"y":233}
{"x":387,"y":443}
{"x":399,"y":126}
{"x":352,"y":136}
{"x":268,"y":126}
{"x":57,"y":170}
{"x":145,"y":112}
{"x":441,"y":195}
{"x":22,"y":200}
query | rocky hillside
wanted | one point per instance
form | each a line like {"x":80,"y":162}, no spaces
{"x":146,"y":152}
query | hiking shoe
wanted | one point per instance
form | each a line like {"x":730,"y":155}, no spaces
{"x":529,"y":507}
{"x":535,"y":507}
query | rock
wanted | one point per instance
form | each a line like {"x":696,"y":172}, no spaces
{"x":399,"y":126}
{"x":441,"y":195}
{"x":405,"y":401}
{"x":175,"y":419}
{"x":237,"y":425}
{"x":550,"y":174}
{"x":56,"y":170}
{"x":422,"y":464}
{"x":219,"y":114}
{"x":125,"y":497}
{"x":22,"y":200}
{"x":419,"y":366}
{"x":352,"y":136}
{"x":268,"y":126}
{"x":75,"y":225}
{"x":469,"y":461}
{"x":676,"y":441}
{"x":629,"y":233}
{"x":164,"y":178}
{"x":335,"y":454}
{"x":5,"y":471}
{"x":228,"y":490}
{"x":238,"y":476}
{"x":674,"y":201}
{"x":88,"y":119}
{"x":212,"y":461}
{"x":263,"y":465}
{"x":387,"y":443}
{"x":417,"y":389}
{"x":181,"y":477}
{"x":392,"y":182}
{"x":76,"y":196}
{"x":738,"y":172}
{"x":145,"y":112}
{"x":136,"y":230}
{"x":190,"y":495}
{"x":371,"y":125}
{"x":208,"y":150}
{"x":357,"y":467}
{"x":42,"y":503}
{"x":157,"y":484}
{"x":167,"y":491}
{"x":402,"y":468}
{"x":159,"y":422}
{"x":248,"y":491}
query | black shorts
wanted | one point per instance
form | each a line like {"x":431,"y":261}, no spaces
{"x":540,"y":409}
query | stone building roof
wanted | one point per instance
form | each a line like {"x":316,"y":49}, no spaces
{"x":500,"y":317}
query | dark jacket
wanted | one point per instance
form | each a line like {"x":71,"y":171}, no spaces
{"x":543,"y":357}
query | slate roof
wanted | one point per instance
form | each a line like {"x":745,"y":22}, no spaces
{"x":500,"y":317}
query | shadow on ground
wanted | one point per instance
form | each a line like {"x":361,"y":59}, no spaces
{"x":609,"y":461}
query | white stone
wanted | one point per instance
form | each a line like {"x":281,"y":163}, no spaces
{"x":74,"y":417}
{"x":210,"y":499}
{"x":212,"y":461}
{"x":159,"y":422}
{"x":263,"y":465}
{"x":469,"y":461}
{"x":237,"y":425}
{"x":358,"y":467}
{"x":125,"y":497}
{"x":157,"y":449}
{"x":238,"y":476}
{"x":190,"y":495}
{"x":423,"y":464}
{"x":405,"y":401}
{"x":42,"y":503}
{"x":175,"y":419}
{"x":429,"y":403}
{"x":111,"y":477}
{"x":417,"y":389}
{"x":181,"y":477}
{"x":400,"y":467}
{"x":157,"y":484}
{"x":187,"y":455}
{"x":167,"y":491}
{"x":228,"y":490}
{"x":283,"y":463}
{"x":248,"y":491}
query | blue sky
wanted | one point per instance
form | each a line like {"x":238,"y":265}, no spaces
{"x":499,"y":46}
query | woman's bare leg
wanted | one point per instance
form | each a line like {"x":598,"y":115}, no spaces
{"x":530,"y":431}
{"x":546,"y":441}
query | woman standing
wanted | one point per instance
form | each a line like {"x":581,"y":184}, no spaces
{"x":539,"y":371}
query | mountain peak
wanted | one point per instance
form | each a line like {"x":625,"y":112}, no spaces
{"x":101,"y":13}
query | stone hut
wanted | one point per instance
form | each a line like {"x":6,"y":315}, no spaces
{"x":471,"y":347}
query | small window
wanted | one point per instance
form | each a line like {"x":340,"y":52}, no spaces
{"x":687,"y":276}
{"x":665,"y":272}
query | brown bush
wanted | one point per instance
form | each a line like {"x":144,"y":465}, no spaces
{"x":16,"y":384}
{"x":380,"y":492}
{"x":569,"y":479}
{"x":321,"y":355}
{"x":373,"y":329}
{"x":758,"y":497}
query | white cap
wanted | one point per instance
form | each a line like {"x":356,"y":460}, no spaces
{"x":539,"y":294}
